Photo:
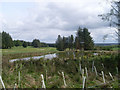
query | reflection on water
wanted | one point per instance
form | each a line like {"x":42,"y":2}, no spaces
{"x":62,"y":55}
{"x":95,"y":54}
{"x":48,"y":56}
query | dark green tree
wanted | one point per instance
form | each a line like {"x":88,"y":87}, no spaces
{"x":29,"y":43}
{"x":43,"y":44}
{"x":25,"y":44}
{"x":83,"y":39}
{"x":36,"y":43}
{"x":88,"y":42}
{"x":59,"y":43}
{"x":64,"y":43}
{"x":71,"y":42}
{"x":6,"y":40}
{"x":17,"y":43}
{"x":79,"y":38}
{"x":76,"y":43}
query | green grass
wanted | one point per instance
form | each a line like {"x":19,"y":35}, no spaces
{"x":108,"y":48}
{"x":16,"y":50}
{"x":115,"y":49}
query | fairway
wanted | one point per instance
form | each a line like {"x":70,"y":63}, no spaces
{"x":20,"y":49}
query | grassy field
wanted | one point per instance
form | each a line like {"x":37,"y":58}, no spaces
{"x":20,"y":49}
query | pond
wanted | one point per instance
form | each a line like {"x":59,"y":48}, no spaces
{"x":48,"y":56}
{"x":62,"y":55}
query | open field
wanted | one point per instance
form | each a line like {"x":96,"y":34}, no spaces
{"x":20,"y":49}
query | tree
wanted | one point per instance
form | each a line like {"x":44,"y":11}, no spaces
{"x":82,"y":35}
{"x":29,"y":43}
{"x":59,"y":43}
{"x":112,"y":15}
{"x":43,"y":44}
{"x":88,"y":42}
{"x":25,"y":44}
{"x":36,"y":43}
{"x":17,"y":43}
{"x":79,"y":38}
{"x":83,"y":39}
{"x":76,"y":43}
{"x":6,"y":40}
{"x":64,"y":43}
{"x":71,"y":41}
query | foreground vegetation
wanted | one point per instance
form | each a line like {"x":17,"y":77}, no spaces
{"x":27,"y":74}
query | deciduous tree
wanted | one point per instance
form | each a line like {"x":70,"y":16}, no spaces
{"x":25,"y":44}
{"x":36,"y":43}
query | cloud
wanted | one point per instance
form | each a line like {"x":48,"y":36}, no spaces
{"x":49,"y":19}
{"x":99,"y":33}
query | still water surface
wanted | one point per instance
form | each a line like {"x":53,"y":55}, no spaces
{"x":54,"y":55}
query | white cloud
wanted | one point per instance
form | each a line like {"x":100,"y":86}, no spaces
{"x":99,"y":33}
{"x":48,"y":19}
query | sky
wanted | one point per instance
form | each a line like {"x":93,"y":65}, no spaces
{"x":46,"y":19}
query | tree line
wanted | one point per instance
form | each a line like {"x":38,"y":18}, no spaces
{"x":8,"y":42}
{"x":81,"y":40}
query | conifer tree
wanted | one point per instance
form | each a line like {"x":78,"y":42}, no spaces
{"x":6,"y":40}
{"x":88,"y":42}
{"x":59,"y":43}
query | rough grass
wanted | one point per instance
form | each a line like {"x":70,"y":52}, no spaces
{"x":31,"y":71}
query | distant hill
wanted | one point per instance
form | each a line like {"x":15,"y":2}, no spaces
{"x":105,"y":44}
{"x":96,"y":44}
